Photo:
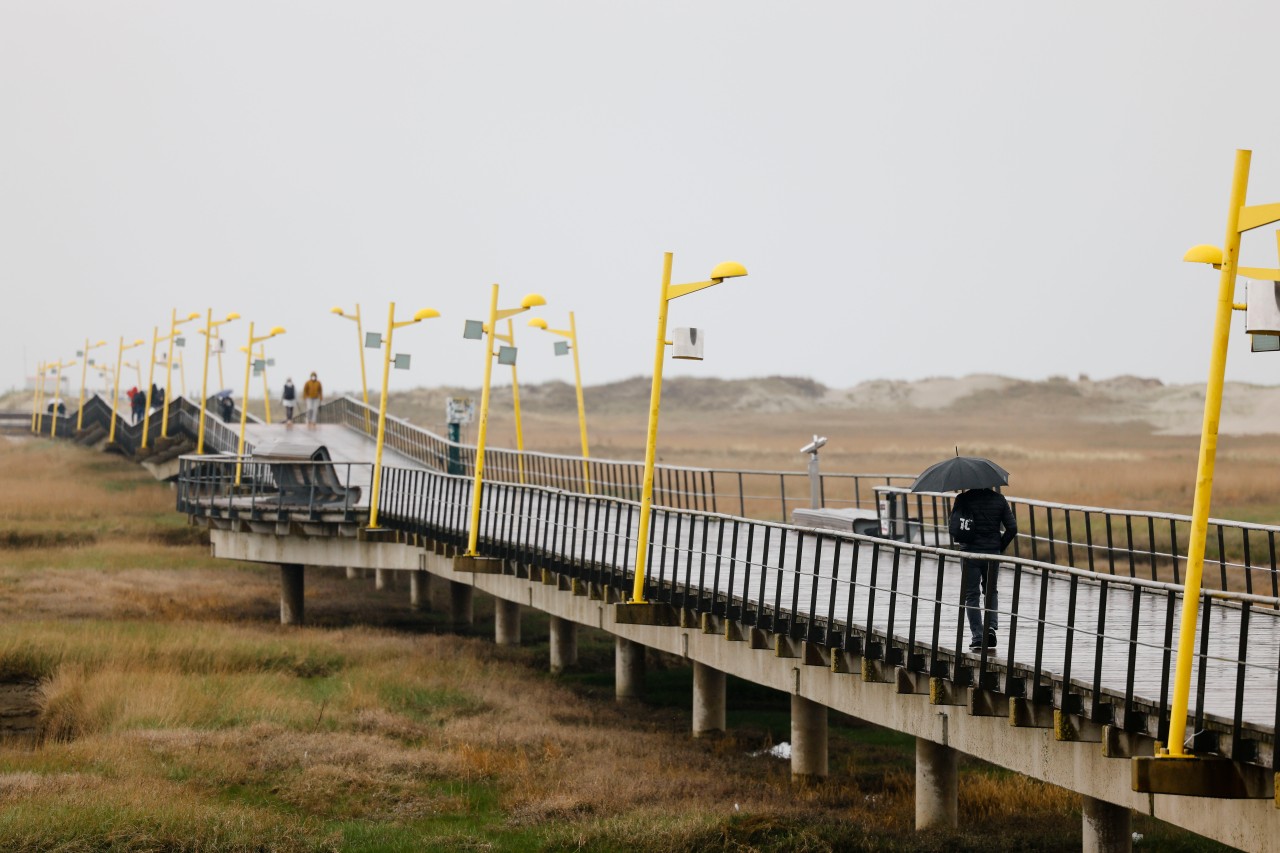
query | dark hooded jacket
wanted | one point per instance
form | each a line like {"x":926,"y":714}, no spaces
{"x":977,"y":517}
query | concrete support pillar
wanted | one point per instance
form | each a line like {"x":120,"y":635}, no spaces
{"x":629,"y":667}
{"x":352,"y":573}
{"x":808,"y":739}
{"x":291,"y":587}
{"x":708,"y":700}
{"x":935,"y":784}
{"x":461,"y":611}
{"x":506,"y":622}
{"x":1106,"y":827}
{"x":419,"y":590}
{"x":564,"y":644}
{"x":440,"y":594}
{"x":381,"y":579}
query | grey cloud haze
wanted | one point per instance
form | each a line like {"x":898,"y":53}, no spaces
{"x":916,"y":189}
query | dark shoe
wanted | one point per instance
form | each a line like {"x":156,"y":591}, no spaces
{"x":975,"y":646}
{"x":991,"y":639}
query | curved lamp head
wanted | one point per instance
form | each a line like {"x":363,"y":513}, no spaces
{"x":232,"y":316}
{"x":425,"y":314}
{"x":194,"y":315}
{"x":532,"y":299}
{"x":1203,"y":254}
{"x":139,"y":342}
{"x":100,"y":344}
{"x":728,"y":269}
{"x":336,"y":310}
{"x":538,"y":322}
{"x":276,"y":330}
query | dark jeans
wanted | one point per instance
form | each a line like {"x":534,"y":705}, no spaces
{"x":979,"y":576}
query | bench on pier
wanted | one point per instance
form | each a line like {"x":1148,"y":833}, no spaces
{"x":305,"y":474}
{"x":862,"y":521}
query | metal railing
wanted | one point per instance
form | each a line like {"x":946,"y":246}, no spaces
{"x":756,"y":493}
{"x":1239,"y":555}
{"x":1086,"y":642}
{"x":207,"y":486}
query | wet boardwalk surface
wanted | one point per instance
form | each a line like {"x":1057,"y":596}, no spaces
{"x":351,"y":450}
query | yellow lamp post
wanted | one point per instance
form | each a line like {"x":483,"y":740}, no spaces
{"x":1239,"y":219}
{"x":392,"y":325}
{"x":364,"y":383}
{"x":530,"y":300}
{"x":572,"y":346}
{"x":57,"y":389}
{"x":210,"y":329}
{"x":266,"y":388}
{"x":669,"y":291}
{"x":244,"y":407}
{"x":151,"y":383}
{"x":115,"y":397}
{"x":174,"y":323}
{"x":36,"y":387}
{"x":84,"y":372}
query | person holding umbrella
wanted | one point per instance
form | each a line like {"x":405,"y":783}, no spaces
{"x":981,"y":523}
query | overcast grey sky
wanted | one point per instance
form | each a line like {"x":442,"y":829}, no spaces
{"x":916,"y":188}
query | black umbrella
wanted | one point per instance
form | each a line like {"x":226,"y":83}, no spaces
{"x":959,"y":473}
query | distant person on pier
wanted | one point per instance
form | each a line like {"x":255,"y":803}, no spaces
{"x":312,"y":394}
{"x":981,"y":523}
{"x":137,"y":404}
{"x":289,"y":398}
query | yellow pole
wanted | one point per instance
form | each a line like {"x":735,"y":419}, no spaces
{"x":244,"y":407}
{"x":1208,"y":454}
{"x":375,"y":489}
{"x":515,"y":402}
{"x":204,"y":378}
{"x":168,"y":381}
{"x":482,"y":431}
{"x":182,"y":373}
{"x":44,"y":369}
{"x":582,"y":409}
{"x":84,"y":372}
{"x":151,"y":381}
{"x":115,"y":395}
{"x":651,"y":441}
{"x":57,"y":386}
{"x":221,"y":382}
{"x":266,"y":388}
{"x":35,"y":396}
{"x":364,"y":383}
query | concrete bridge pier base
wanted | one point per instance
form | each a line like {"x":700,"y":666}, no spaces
{"x":935,"y":784}
{"x":1106,"y":827}
{"x":564,"y":644}
{"x":808,"y":740}
{"x":708,"y":700}
{"x":291,"y":587}
{"x":629,"y":667}
{"x":381,"y":579}
{"x":440,"y":594}
{"x":352,"y":573}
{"x":506,"y":622}
{"x":419,"y":590}
{"x":461,"y":611}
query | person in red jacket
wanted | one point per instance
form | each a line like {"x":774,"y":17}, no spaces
{"x":981,"y":523}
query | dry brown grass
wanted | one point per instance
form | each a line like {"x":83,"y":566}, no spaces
{"x":180,"y":717}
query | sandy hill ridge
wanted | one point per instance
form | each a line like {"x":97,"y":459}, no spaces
{"x":1168,"y":409}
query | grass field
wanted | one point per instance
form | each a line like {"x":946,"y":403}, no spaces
{"x":179,"y":716}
